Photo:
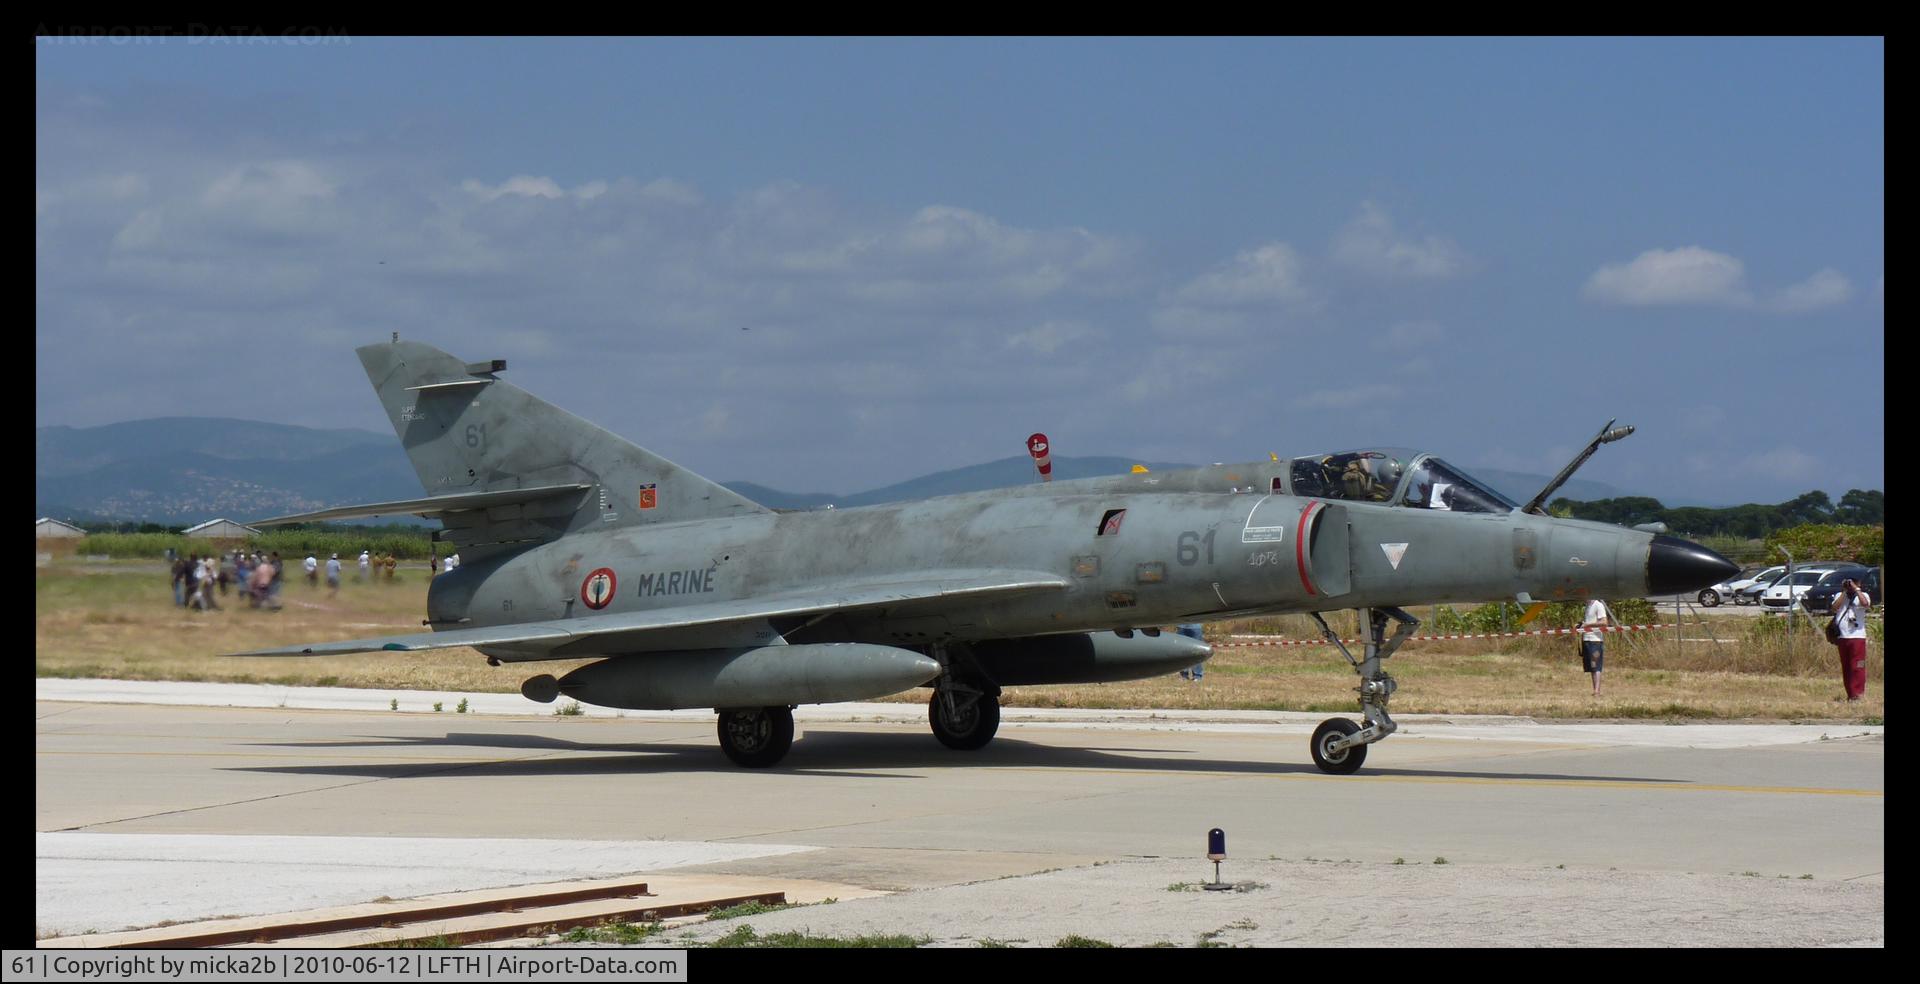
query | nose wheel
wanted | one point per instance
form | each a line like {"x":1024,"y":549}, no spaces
{"x":1339,"y":746}
{"x":1332,"y":751}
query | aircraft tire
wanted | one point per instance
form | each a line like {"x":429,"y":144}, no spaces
{"x":756,"y":737}
{"x":1349,"y":760}
{"x":975,"y":727}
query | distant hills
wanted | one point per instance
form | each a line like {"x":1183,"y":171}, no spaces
{"x":184,"y":470}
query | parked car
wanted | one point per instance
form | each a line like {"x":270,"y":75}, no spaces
{"x":1748,"y":592}
{"x":1785,"y":594}
{"x":1724,"y":590}
{"x":1819,"y":598}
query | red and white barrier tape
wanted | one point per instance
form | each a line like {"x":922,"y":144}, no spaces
{"x":1255,"y":640}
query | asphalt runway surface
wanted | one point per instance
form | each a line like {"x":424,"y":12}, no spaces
{"x":1678,"y":835}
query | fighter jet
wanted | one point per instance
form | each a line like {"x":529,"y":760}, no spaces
{"x":576,"y":543}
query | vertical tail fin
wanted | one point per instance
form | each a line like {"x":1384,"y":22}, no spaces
{"x":466,"y":430}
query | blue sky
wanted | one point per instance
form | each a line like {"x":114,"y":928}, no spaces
{"x":1196,"y":250}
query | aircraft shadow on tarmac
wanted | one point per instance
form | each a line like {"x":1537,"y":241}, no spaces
{"x":824,"y":753}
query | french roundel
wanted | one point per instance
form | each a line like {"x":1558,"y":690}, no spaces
{"x":597,"y":590}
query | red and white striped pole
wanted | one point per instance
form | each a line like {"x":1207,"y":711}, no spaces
{"x":1042,"y":456}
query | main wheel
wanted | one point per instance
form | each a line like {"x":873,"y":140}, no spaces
{"x":1709,"y":597}
{"x":756,"y":737}
{"x":1344,"y":762}
{"x":969,"y":729}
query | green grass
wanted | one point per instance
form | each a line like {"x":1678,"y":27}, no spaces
{"x":1082,"y":942}
{"x":746,"y":909}
{"x":746,"y":938}
{"x":625,"y":934}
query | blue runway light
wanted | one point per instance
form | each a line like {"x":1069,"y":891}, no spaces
{"x":1216,"y":852}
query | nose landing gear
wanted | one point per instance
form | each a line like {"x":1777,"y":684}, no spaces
{"x":1339,"y":746}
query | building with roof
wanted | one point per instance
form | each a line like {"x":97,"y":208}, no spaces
{"x":47,"y":528}
{"x":221,"y":529}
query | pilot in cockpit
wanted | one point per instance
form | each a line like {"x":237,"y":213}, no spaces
{"x":1358,"y":479}
{"x":1363,"y":483}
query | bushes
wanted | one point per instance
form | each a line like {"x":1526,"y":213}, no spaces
{"x":407,"y":543}
{"x":1858,"y":544}
{"x":1558,"y":615}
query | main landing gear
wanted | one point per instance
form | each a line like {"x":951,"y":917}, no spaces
{"x":1340,"y":745}
{"x":756,"y":737}
{"x":964,"y":712}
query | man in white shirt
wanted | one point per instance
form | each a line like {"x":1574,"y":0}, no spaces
{"x":333,"y":575}
{"x":364,"y":561}
{"x":312,"y":568}
{"x":1592,"y":644}
{"x":1850,"y":606}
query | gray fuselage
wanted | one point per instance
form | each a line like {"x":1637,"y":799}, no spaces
{"x":1190,"y":546}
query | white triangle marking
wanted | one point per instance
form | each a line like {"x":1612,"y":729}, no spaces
{"x":1394,"y":552}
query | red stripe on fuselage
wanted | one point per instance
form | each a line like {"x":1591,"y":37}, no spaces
{"x":1300,"y":547}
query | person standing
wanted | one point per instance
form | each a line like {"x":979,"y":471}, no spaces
{"x":1592,"y":641}
{"x":209,"y":580}
{"x":312,"y":568}
{"x":364,"y":562}
{"x":333,"y":576}
{"x":1192,"y":630}
{"x":260,"y":583}
{"x":180,"y":568}
{"x":1850,"y":620}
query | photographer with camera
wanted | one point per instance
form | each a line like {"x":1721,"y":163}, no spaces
{"x":1849,"y":634}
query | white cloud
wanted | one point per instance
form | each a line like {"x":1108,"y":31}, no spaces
{"x":669,"y":190}
{"x":1692,"y":275}
{"x":1270,"y":274}
{"x":1256,"y":290}
{"x":272,"y":184}
{"x":1824,"y":289}
{"x":1371,"y":245}
{"x":1688,"y":275}
{"x":529,"y":186}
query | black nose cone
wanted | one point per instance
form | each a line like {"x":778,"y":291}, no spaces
{"x":1676,"y":566}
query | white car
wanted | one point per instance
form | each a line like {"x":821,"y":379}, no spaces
{"x":1712,"y":596}
{"x":1742,"y":589}
{"x":1785,"y":594}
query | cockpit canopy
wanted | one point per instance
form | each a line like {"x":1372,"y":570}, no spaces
{"x":1395,"y":476}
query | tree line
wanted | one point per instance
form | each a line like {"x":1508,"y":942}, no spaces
{"x":1753,"y":521}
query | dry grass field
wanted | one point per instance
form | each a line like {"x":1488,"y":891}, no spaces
{"x":118,"y":620}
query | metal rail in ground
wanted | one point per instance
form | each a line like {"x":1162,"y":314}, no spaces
{"x":456,"y":922}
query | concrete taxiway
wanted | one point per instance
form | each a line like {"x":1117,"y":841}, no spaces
{"x":286,"y":806}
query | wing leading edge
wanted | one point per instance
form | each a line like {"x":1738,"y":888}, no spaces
{"x":432,"y":506}
{"x":536,"y":639}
